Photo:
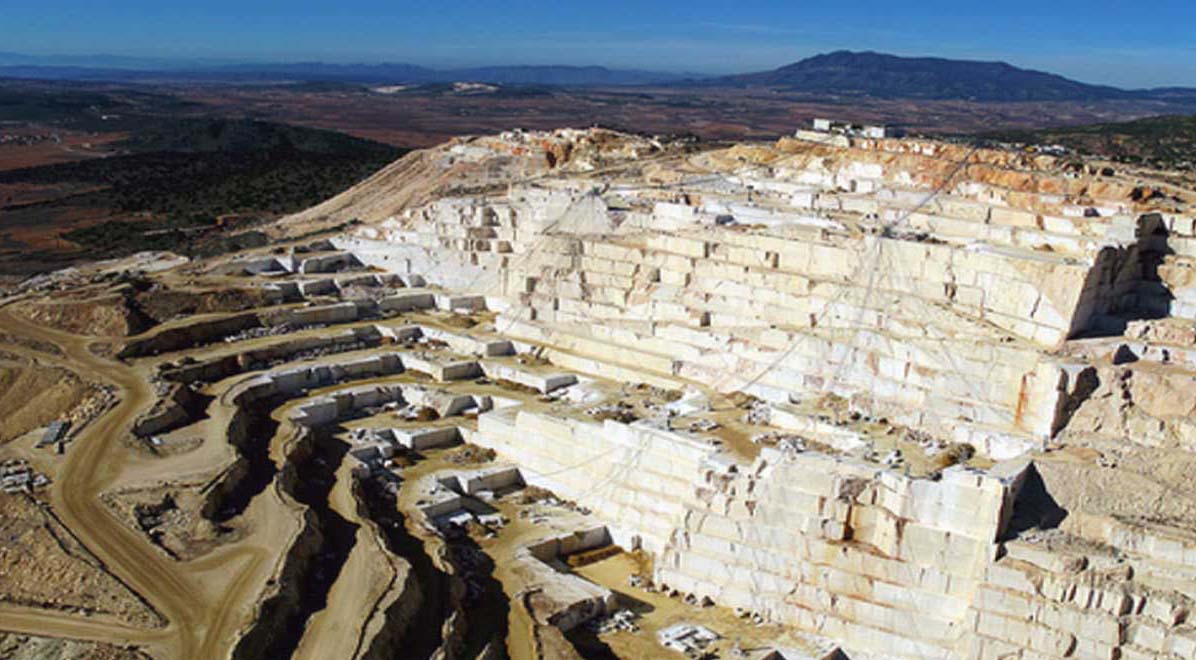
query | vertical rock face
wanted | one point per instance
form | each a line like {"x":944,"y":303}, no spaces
{"x":628,"y":473}
{"x":867,"y":296}
{"x":844,"y":549}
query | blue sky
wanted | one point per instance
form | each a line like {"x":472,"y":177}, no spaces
{"x":1132,"y":44}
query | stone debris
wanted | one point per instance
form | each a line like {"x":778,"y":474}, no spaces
{"x":790,"y":446}
{"x":758,"y":413}
{"x":620,"y":412}
{"x":619,"y":621}
{"x":687,"y":638}
{"x":703,"y":426}
{"x":16,"y":476}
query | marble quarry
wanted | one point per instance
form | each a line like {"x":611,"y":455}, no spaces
{"x":963,"y":300}
{"x":572,"y":393}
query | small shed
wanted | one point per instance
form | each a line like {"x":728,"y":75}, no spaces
{"x":55,"y":432}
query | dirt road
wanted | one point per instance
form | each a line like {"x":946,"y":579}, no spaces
{"x":195,"y":625}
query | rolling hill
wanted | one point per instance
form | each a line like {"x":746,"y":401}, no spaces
{"x":1167,"y":142}
{"x":890,"y":76}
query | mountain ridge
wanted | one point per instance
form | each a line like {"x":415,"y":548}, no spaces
{"x":868,"y":73}
{"x":842,"y":72}
{"x":113,"y":69}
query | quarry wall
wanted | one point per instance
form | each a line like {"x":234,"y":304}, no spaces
{"x":931,"y":285}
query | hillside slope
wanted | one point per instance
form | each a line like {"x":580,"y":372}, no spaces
{"x":1167,"y":142}
{"x":178,"y":184}
{"x":890,"y":76}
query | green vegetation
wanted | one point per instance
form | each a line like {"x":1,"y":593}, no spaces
{"x":121,"y":238}
{"x":68,"y":106}
{"x":208,"y":184}
{"x":177,"y":176}
{"x":1166,"y":142}
{"x":248,"y":136}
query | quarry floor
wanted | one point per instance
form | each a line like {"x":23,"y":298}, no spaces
{"x":190,"y":607}
{"x":198,"y":600}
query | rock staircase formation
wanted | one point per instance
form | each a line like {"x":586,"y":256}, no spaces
{"x":888,"y":562}
{"x":972,"y":296}
{"x":925,"y":282}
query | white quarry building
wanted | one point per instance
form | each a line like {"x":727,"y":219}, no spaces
{"x":874,"y":131}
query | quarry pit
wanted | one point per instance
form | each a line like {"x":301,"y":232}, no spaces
{"x":584,"y":394}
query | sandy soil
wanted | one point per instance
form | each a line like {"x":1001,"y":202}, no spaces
{"x":108,"y":316}
{"x":23,"y":647}
{"x":43,"y":565}
{"x":204,"y":601}
{"x":33,"y":394}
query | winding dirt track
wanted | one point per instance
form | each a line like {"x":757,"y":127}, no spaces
{"x":196,"y":627}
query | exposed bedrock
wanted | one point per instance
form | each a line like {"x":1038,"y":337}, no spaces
{"x":249,"y":431}
{"x":189,"y":336}
{"x":316,"y":556}
{"x":202,"y":333}
{"x":394,"y":623}
{"x":253,"y":425}
{"x":272,"y":632}
{"x":217,"y":368}
{"x":480,"y":626}
{"x":178,"y":407}
{"x":429,"y":611}
{"x":420,"y":635}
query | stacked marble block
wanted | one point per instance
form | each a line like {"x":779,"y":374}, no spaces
{"x":770,"y":279}
{"x":634,"y":477}
{"x":470,"y":242}
{"x":1039,"y":601}
{"x":462,"y":225}
{"x":327,"y":408}
{"x":1063,"y":214}
{"x":457,"y":243}
{"x":565,"y":600}
{"x":923,"y":327}
{"x":1178,"y":271}
{"x":892,"y":566}
{"x":886,"y":563}
{"x":925,"y":332}
{"x":977,"y":213}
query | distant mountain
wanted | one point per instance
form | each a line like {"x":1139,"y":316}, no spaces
{"x":321,"y":71}
{"x":562,"y":75}
{"x":112,"y":69}
{"x":101,"y":61}
{"x":890,"y":76}
{"x":1178,"y":94}
{"x":842,"y":73}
